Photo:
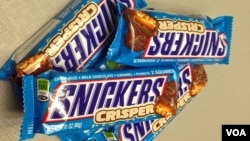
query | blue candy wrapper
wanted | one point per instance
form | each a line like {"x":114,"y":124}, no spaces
{"x":190,"y":75}
{"x":147,"y":130}
{"x":73,"y":40}
{"x":62,"y":102}
{"x":86,"y":135}
{"x":97,"y":135}
{"x":152,"y":38}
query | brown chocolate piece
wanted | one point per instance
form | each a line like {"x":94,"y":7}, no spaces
{"x":140,"y":28}
{"x":199,"y":80}
{"x":166,"y":104}
{"x":34,"y":65}
{"x":136,"y":42}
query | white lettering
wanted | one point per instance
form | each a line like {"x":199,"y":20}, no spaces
{"x":236,"y":132}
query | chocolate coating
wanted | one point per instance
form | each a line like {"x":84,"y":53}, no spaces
{"x":140,"y":28}
{"x":166,"y":104}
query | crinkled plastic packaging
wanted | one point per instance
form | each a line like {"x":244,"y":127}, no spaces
{"x":62,"y":102}
{"x":192,"y":80}
{"x":108,"y":70}
{"x":152,"y":38}
{"x":85,"y":135}
{"x":73,"y":40}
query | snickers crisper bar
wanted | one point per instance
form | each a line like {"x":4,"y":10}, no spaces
{"x":192,"y":79}
{"x":152,"y":38}
{"x":61,"y":102}
{"x":73,"y":40}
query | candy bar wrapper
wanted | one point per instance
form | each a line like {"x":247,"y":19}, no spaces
{"x":86,"y":135}
{"x":104,"y":64}
{"x":192,"y":80}
{"x":106,"y":135}
{"x":153,"y":38}
{"x":102,"y":134}
{"x":61,"y":102}
{"x":72,"y":40}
